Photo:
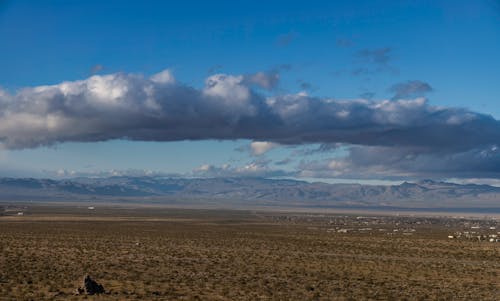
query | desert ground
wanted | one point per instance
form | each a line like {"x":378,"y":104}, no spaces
{"x":152,"y":253}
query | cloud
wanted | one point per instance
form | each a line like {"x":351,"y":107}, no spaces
{"x":284,"y":161}
{"x":305,"y":86}
{"x":158,"y":108}
{"x":257,"y":168}
{"x":261,"y":147}
{"x":322,"y":148}
{"x":404,"y":137}
{"x":257,"y":148}
{"x":408,"y":162}
{"x":164,"y":77}
{"x":65,"y":173}
{"x":215,"y":69}
{"x":476,"y":181}
{"x":411,"y":88}
{"x":373,"y":61}
{"x":265,"y":80}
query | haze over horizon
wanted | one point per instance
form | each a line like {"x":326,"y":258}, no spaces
{"x":370,"y":92}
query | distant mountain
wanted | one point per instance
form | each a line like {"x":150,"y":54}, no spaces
{"x":252,"y":191}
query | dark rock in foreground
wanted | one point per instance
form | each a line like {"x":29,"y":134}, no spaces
{"x":90,"y":287}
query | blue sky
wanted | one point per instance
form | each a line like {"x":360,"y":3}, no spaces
{"x":445,"y":51}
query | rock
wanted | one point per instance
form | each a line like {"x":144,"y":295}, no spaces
{"x":90,"y":287}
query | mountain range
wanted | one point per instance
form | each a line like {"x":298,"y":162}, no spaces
{"x":251,"y":192}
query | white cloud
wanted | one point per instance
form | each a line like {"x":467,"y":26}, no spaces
{"x":257,"y":168}
{"x":264,"y":80}
{"x":163,"y":77}
{"x":65,"y":173}
{"x":227,"y":87}
{"x":130,"y":106}
{"x":261,"y":147}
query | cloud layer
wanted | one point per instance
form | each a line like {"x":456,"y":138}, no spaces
{"x":130,"y":106}
{"x":158,"y":108}
{"x":257,"y":168}
{"x":368,"y":162}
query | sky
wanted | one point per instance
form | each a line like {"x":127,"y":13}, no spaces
{"x":356,"y":91}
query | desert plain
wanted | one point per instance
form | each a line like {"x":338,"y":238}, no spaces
{"x":154,"y":253}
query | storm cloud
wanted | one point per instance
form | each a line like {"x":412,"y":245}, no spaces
{"x":159,"y":108}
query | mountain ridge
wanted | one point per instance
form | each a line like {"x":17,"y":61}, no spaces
{"x":259,"y":191}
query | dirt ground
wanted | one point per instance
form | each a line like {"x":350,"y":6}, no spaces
{"x":153,"y":254}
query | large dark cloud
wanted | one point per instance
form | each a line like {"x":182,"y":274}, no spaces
{"x":386,"y":138}
{"x":129,"y":106}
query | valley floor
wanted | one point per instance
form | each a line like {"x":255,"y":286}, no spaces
{"x":172,"y":254}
